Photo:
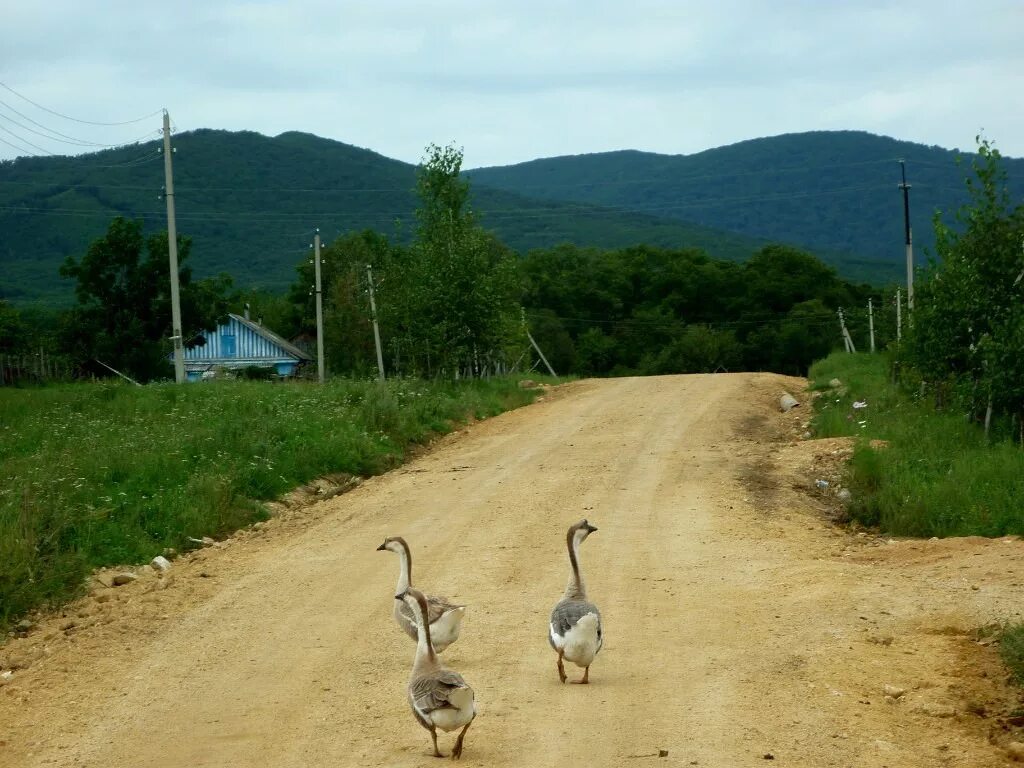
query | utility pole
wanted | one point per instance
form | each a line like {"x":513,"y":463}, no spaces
{"x":909,"y":240}
{"x":319,"y":309}
{"x":172,"y":248}
{"x":846,"y":334}
{"x":899,"y":315}
{"x":522,"y":314}
{"x":376,"y":328}
{"x":871,"y":323}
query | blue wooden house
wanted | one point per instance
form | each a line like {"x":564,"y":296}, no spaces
{"x":240,"y":343}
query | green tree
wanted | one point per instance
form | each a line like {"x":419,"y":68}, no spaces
{"x":348,"y":333}
{"x":12,"y":329}
{"x":453,"y":302}
{"x":967,"y":333}
{"x":123,"y":316}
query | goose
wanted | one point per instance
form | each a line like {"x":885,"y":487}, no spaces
{"x":439,"y":697}
{"x":445,"y":618}
{"x":575,"y":628}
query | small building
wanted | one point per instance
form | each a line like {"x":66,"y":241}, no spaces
{"x":240,"y":343}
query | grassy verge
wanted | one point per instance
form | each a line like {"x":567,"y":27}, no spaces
{"x":1011,"y":648}
{"x":94,"y":475}
{"x":937,"y":477}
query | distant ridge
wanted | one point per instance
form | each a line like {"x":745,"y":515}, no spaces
{"x":831,"y":190}
{"x":250,"y":202}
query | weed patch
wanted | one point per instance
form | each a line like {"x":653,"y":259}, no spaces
{"x":1011,"y":648}
{"x":101,"y":474}
{"x":938,"y":476}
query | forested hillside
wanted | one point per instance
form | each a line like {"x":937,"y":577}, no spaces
{"x":250,"y":204}
{"x":829,"y":190}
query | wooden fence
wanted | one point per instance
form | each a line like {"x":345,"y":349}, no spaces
{"x":38,"y":368}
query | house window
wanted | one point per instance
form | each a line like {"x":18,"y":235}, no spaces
{"x":227,"y":345}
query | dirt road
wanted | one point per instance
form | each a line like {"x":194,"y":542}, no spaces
{"x":740,"y":626}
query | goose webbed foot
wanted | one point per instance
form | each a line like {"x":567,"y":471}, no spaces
{"x":561,"y":668}
{"x":585,"y":680}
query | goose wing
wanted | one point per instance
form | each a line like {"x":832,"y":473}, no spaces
{"x":436,"y":690}
{"x":436,"y":608}
{"x":565,"y":615}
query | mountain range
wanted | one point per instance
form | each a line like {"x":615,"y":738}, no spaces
{"x":831,"y":191}
{"x":251,"y":203}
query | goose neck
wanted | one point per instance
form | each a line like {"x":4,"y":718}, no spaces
{"x":425,"y":655}
{"x":575,"y":589}
{"x":404,"y":568}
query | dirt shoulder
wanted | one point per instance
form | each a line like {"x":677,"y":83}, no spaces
{"x":740,"y":623}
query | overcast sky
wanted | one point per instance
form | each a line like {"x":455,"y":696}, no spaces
{"x":513,"y":80}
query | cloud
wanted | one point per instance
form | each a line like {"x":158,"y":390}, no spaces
{"x":514,"y":81}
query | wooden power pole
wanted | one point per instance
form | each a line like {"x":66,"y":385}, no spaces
{"x":871,"y":323}
{"x":899,"y":315}
{"x":847,"y":340}
{"x":172,"y":248}
{"x":376,"y":327}
{"x":909,"y":239}
{"x":319,"y":310}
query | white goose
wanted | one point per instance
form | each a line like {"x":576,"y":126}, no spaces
{"x":575,"y":628}
{"x":439,"y":697}
{"x":445,"y":618}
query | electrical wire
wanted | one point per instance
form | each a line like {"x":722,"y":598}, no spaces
{"x":22,"y":138}
{"x":48,"y":136}
{"x":75,"y":119}
{"x":669,"y":177}
{"x":27,"y":152}
{"x":151,"y":155}
{"x":83,"y":142}
{"x":818,"y":320}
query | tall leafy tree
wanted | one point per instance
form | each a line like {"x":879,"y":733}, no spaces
{"x":454,"y":308}
{"x":123,"y":315}
{"x":12,"y":328}
{"x":968,"y":323}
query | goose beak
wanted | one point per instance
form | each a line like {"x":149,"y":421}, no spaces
{"x":382,"y":547}
{"x":591,"y":528}
{"x":401,"y":596}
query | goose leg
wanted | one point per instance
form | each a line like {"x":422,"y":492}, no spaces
{"x":433,"y":735}
{"x":586,"y":677}
{"x":457,"y":751}
{"x":561,"y":669}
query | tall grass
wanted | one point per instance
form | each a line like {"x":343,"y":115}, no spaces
{"x":938,"y":476}
{"x":1011,"y":649}
{"x":94,"y":475}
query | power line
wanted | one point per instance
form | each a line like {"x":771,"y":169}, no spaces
{"x":153,"y":154}
{"x":68,"y":139}
{"x":668,"y":176}
{"x":22,"y":138}
{"x":20,"y":149}
{"x":816,"y":320}
{"x":75,"y":119}
{"x":83,"y":142}
{"x":48,"y":136}
{"x":490,"y":215}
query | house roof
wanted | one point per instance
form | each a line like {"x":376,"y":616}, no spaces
{"x":272,"y":337}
